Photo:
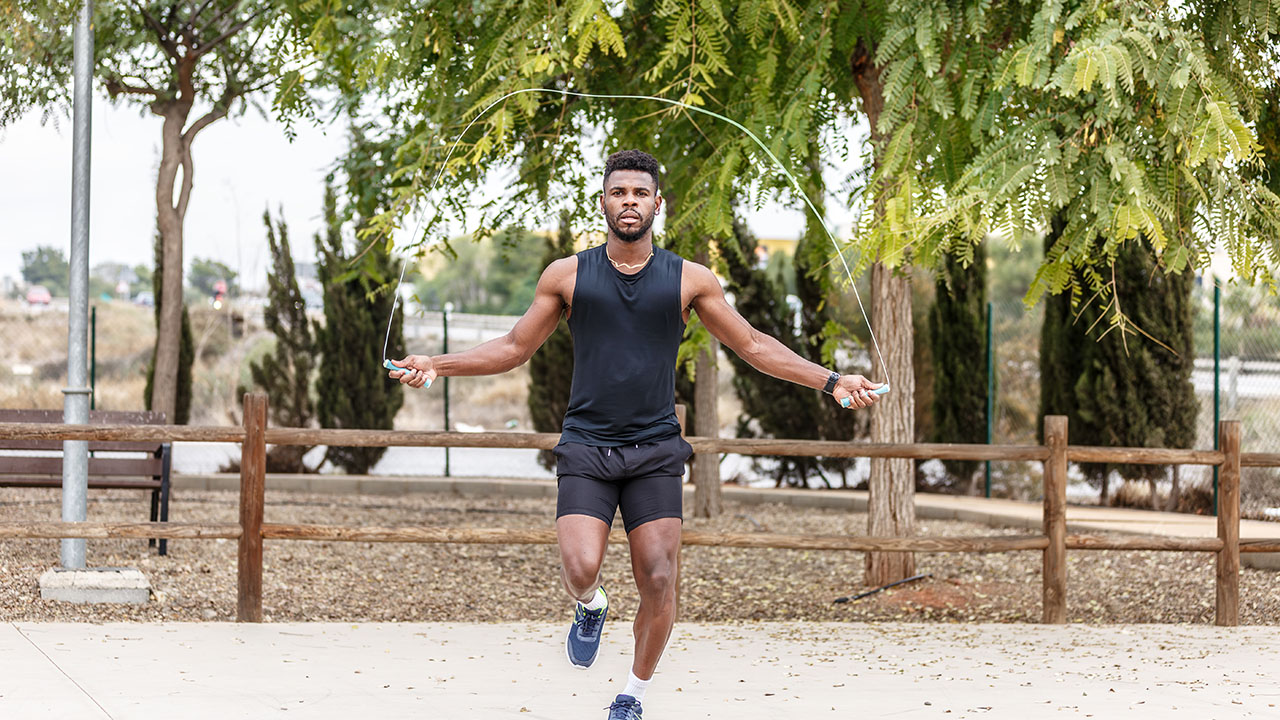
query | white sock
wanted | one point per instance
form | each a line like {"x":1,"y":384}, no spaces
{"x":598,"y":601}
{"x":636,"y":687}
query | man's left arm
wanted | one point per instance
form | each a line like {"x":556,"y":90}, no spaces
{"x":761,"y":351}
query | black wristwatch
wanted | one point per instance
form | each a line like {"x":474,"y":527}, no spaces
{"x":831,"y":383}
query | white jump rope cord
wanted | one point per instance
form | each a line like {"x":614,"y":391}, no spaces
{"x":848,"y":273}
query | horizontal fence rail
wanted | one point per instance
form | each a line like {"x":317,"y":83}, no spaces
{"x":100,"y":530}
{"x":1053,"y":542}
{"x":547,"y":441}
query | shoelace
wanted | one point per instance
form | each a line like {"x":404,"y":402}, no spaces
{"x":627,"y":705}
{"x":591,"y":620}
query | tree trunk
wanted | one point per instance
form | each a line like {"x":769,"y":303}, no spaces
{"x":170,"y":213}
{"x":164,"y":390}
{"x":1175,"y":489}
{"x":891,"y":505}
{"x":707,"y":500}
{"x":892,"y":486}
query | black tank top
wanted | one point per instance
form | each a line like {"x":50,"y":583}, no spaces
{"x":626,"y":330}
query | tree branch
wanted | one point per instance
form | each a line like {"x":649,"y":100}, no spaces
{"x":117,"y":86}
{"x":162,"y":34}
{"x":235,"y":28}
{"x":184,"y":195}
{"x":195,"y":14}
{"x":219,"y":112}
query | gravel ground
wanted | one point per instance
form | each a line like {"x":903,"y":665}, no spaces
{"x":363,"y":582}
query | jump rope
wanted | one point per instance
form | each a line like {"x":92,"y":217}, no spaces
{"x":386,"y":362}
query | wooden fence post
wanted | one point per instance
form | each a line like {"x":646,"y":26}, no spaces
{"x":1054,"y":597}
{"x":1228,"y":579}
{"x":253,"y":472}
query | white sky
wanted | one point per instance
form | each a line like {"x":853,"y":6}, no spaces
{"x":242,"y":166}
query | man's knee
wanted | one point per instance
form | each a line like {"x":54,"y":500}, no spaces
{"x":581,"y":577}
{"x":657,"y":579}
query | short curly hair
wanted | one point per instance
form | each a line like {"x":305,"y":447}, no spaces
{"x":631,"y":160}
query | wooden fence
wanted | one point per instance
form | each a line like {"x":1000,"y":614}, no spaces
{"x":1053,"y":541}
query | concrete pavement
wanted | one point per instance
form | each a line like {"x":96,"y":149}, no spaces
{"x":223,"y":671}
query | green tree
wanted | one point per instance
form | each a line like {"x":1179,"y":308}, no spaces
{"x":1125,"y":384}
{"x":205,"y":274}
{"x":551,"y":367}
{"x":164,"y":57}
{"x":491,"y":276}
{"x":1129,"y":121}
{"x":47,"y":266}
{"x":352,"y":386}
{"x":285,"y":375}
{"x":957,"y":335}
{"x":771,"y":407}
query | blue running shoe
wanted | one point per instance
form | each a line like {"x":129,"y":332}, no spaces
{"x":583,"y":643}
{"x":625,"y":707}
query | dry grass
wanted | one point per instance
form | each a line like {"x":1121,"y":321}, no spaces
{"x":361,"y":582}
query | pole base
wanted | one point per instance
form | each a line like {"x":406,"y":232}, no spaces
{"x":95,"y":585}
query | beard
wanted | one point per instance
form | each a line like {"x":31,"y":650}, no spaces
{"x":636,"y":232}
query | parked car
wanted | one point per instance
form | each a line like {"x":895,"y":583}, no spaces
{"x":39,"y":295}
{"x":145,"y":298}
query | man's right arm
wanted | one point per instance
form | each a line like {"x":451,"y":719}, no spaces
{"x":509,"y":351}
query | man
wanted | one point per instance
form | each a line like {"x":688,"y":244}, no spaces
{"x":627,"y":304}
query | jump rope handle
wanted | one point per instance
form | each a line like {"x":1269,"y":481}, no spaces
{"x":392,"y":366}
{"x":882,"y":390}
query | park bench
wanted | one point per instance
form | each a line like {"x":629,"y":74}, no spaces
{"x":29,"y":463}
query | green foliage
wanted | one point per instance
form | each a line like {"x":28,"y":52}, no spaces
{"x":958,"y":337}
{"x":1118,"y":386}
{"x":205,"y":273}
{"x":757,"y":64}
{"x":47,"y":266}
{"x":285,"y":375}
{"x":186,"y":346}
{"x":490,"y":276}
{"x":1131,"y":121}
{"x":551,"y":367}
{"x":231,"y":48}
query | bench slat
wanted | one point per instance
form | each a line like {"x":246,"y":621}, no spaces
{"x":100,"y":483}
{"x":16,"y":465}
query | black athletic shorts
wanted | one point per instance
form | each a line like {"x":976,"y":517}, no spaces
{"x":644,"y":479}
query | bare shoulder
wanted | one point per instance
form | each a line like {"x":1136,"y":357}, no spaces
{"x":559,"y":278}
{"x":698,"y":278}
{"x":561,"y":271}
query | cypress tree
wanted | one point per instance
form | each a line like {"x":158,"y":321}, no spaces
{"x":1132,"y":392}
{"x":286,"y":375}
{"x":1123,"y":387}
{"x":770,"y":406}
{"x":353,"y":390}
{"x":957,"y":336}
{"x":186,"y":350}
{"x":551,"y":367}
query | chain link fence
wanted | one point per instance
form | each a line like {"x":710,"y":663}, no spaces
{"x":33,"y":354}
